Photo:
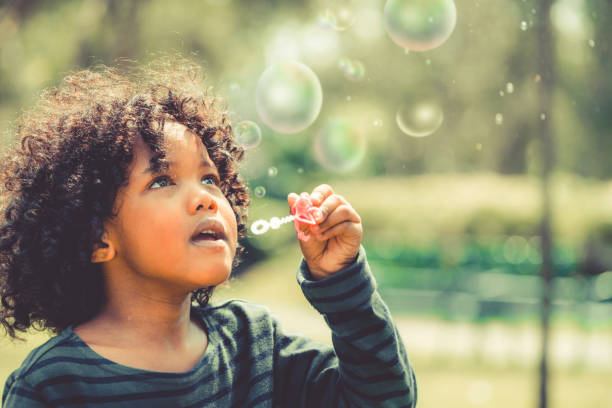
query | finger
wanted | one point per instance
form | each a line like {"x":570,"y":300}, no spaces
{"x":328,"y":206}
{"x":336,"y":230}
{"x":291,"y":199}
{"x":342,"y":213}
{"x":320,"y":193}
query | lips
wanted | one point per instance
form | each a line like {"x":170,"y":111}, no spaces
{"x":209,"y":229}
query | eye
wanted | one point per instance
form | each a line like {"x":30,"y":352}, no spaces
{"x":164,"y":181}
{"x":159,"y":179}
{"x":211,"y":179}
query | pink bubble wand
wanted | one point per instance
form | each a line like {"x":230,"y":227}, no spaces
{"x":302,"y":212}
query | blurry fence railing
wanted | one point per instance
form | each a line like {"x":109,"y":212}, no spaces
{"x":476,"y":282}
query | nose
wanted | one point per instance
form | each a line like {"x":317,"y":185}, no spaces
{"x":201,"y":199}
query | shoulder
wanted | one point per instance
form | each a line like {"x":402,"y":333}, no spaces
{"x":239,"y":319}
{"x":236,"y":312}
{"x":46,"y":360}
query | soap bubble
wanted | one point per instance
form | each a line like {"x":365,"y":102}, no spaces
{"x":340,"y":17}
{"x":419,"y":120}
{"x":272,"y":172}
{"x":510,"y":87}
{"x":420,"y":25}
{"x":288,"y":96}
{"x":248,"y":134}
{"x":524,"y":26}
{"x":259,"y":191}
{"x":499,"y":119}
{"x":340,"y":145}
{"x":353,"y":70}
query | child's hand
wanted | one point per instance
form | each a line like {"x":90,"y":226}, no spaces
{"x":334,"y":241}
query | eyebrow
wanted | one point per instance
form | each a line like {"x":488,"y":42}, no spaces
{"x":165,"y":165}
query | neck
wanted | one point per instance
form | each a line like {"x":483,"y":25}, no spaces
{"x":144,"y":316}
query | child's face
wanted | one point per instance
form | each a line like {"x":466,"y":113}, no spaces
{"x":159,"y":214}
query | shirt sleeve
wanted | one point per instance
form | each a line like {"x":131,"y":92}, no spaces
{"x":18,"y":393}
{"x":368,"y":365}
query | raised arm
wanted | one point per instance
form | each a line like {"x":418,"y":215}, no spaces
{"x":368,"y":366}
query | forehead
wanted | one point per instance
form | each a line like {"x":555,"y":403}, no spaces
{"x":180,"y":145}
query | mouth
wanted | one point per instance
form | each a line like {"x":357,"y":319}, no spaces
{"x":208,"y":233}
{"x":206,"y":236}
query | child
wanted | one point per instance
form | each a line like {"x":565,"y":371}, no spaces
{"x":110,"y":240}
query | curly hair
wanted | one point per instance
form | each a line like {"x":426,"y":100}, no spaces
{"x":60,"y":179}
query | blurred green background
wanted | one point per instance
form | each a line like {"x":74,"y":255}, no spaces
{"x":451,"y":220}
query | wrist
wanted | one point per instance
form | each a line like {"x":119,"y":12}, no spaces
{"x":317,"y":273}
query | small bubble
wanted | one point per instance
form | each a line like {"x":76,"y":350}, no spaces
{"x":427,"y":61}
{"x":419,"y":119}
{"x":510,"y":87}
{"x":523,"y":25}
{"x":338,"y":17}
{"x":248,"y":134}
{"x":533,"y":11}
{"x":348,"y":98}
{"x":542,"y":116}
{"x":300,"y":170}
{"x":272,"y":172}
{"x":353,"y":70}
{"x":591,"y":43}
{"x":537,"y":78}
{"x":479,"y":146}
{"x":499,"y":119}
{"x":378,"y":123}
{"x":260,"y":191}
{"x":501,"y":93}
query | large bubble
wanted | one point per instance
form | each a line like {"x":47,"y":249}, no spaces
{"x":340,"y":145}
{"x":248,"y":134}
{"x":288,"y":96}
{"x":420,"y":25}
{"x":420,"y":119}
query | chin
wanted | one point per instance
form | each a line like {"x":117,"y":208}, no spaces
{"x":217,"y":274}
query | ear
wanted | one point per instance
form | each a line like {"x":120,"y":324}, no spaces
{"x":103,"y":254}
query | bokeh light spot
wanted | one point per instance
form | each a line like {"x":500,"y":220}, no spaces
{"x":603,"y":286}
{"x":272,"y":171}
{"x":499,"y":119}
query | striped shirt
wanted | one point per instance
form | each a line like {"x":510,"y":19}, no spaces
{"x":249,"y":360}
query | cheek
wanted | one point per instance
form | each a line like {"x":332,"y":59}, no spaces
{"x":232,"y":225}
